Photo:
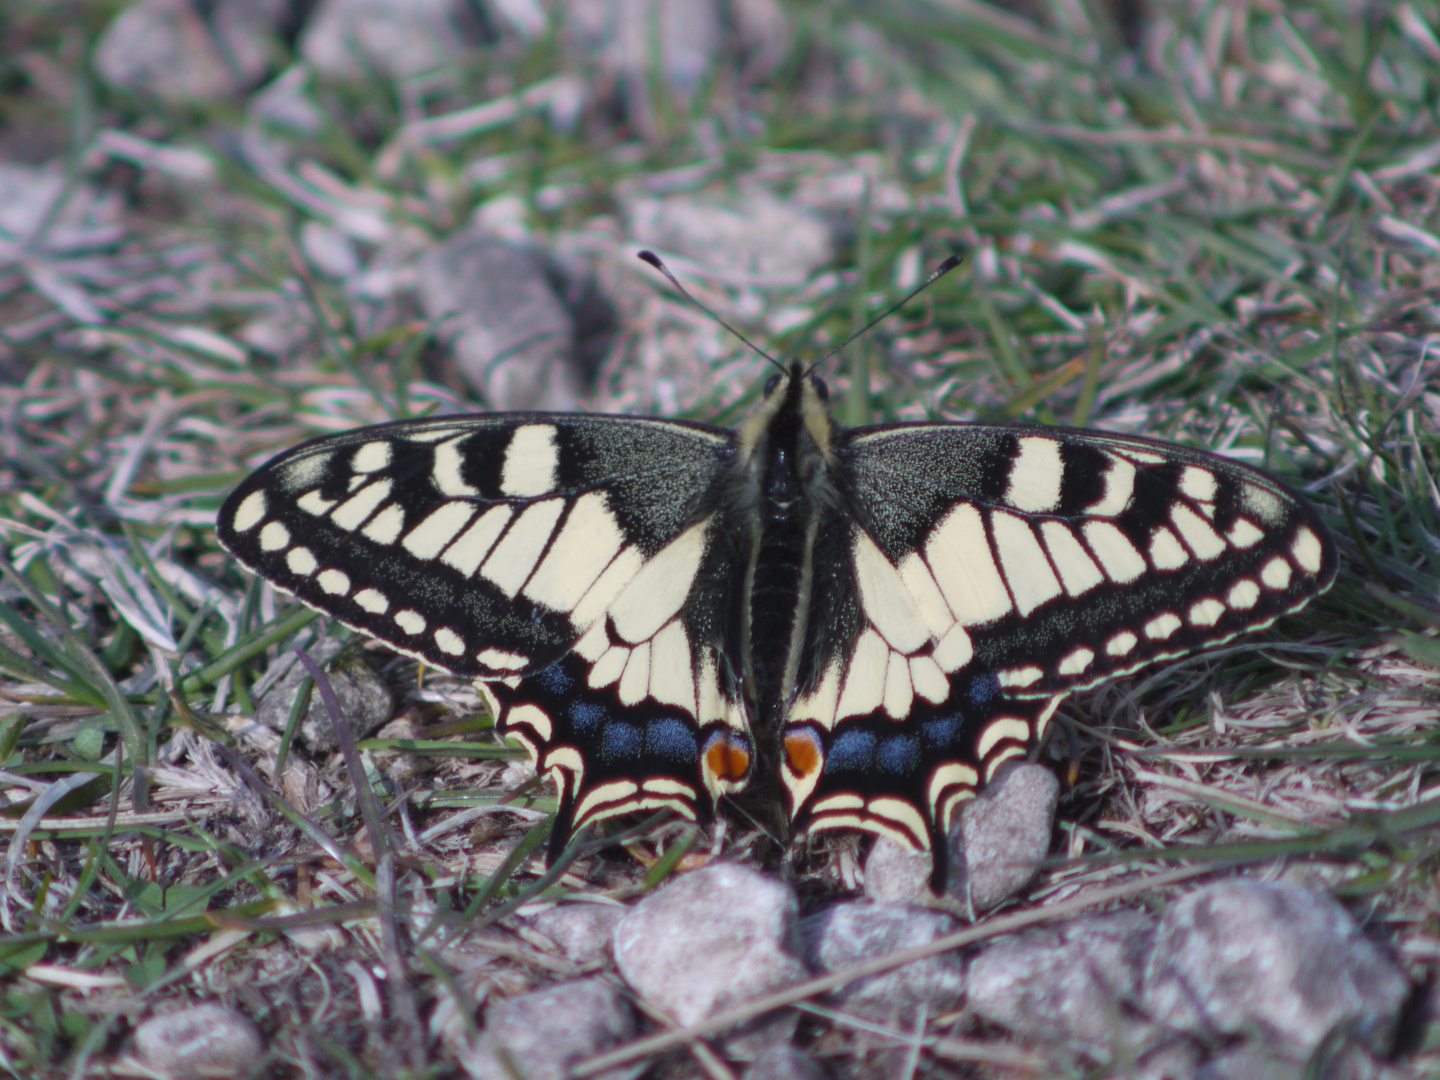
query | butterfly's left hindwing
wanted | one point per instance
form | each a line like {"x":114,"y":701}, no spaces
{"x":977,"y":574}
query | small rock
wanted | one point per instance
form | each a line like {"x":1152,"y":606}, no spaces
{"x":207,"y":1041}
{"x":1252,"y":1062}
{"x":525,"y":331}
{"x":711,"y":940}
{"x":365,"y":700}
{"x":356,"y":39}
{"x":541,"y":1035}
{"x":738,"y":238}
{"x":847,"y":934}
{"x":783,"y":1063}
{"x":583,"y":932}
{"x":995,"y":850}
{"x":1072,"y":984}
{"x":1241,"y":955}
{"x":169,"y":50}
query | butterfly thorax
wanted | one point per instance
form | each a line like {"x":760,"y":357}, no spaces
{"x":785,"y":451}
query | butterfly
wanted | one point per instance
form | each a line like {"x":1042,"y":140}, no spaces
{"x":869,"y":620}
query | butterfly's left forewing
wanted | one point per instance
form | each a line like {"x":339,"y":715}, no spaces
{"x":975,"y":575}
{"x":580,"y":564}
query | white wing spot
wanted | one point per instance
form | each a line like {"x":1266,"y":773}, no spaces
{"x":274,"y":537}
{"x":1143,"y":457}
{"x":440,"y":526}
{"x":1265,"y":505}
{"x":1243,"y":595}
{"x":1119,"y":487}
{"x":1162,"y":626}
{"x":305,"y":472}
{"x":1076,"y":662}
{"x":1078,"y":571}
{"x":1121,"y":643}
{"x":929,"y":680}
{"x":672,"y":668}
{"x":609,"y":667}
{"x":899,"y":691}
{"x":499,"y":658}
{"x":1198,"y":483}
{"x":1276,"y":574}
{"x":1195,"y":531}
{"x":864,"y":677}
{"x":531,"y":461}
{"x":301,"y":561}
{"x":1115,"y":551}
{"x":999,"y":729}
{"x":448,"y":470}
{"x":516,"y":555}
{"x":886,"y":601}
{"x":386,"y":526}
{"x":635,"y":683}
{"x":312,"y":502}
{"x":1307,"y":550}
{"x":1243,"y":534}
{"x":371,"y":457}
{"x":1027,"y":570}
{"x":954,"y":650}
{"x":1205,"y":612}
{"x":660,"y":587}
{"x":608,"y":586}
{"x":449,"y":641}
{"x":1019,"y":677}
{"x":820,"y":704}
{"x":929,"y":601}
{"x":583,"y":547}
{"x":1036,"y":475}
{"x":469,"y":551}
{"x":1166,"y":553}
{"x":249,"y":513}
{"x":410,"y":620}
{"x":373,"y":601}
{"x":959,"y":555}
{"x":353,"y":512}
{"x":334,"y":582}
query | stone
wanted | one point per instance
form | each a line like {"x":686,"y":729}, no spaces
{"x":755,"y":237}
{"x":365,"y":701}
{"x":995,"y":849}
{"x":542,"y":1034}
{"x":783,"y":1063}
{"x":209,"y":1041}
{"x":181,"y":51}
{"x":847,"y":934}
{"x":582,"y":932}
{"x":354,"y":40}
{"x":525,"y":331}
{"x":709,"y":941}
{"x":1243,"y":956}
{"x":1072,"y":984}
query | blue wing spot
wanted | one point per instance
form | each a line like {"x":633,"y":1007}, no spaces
{"x":983,"y":689}
{"x":621,"y":740}
{"x":585,"y":715}
{"x":943,"y":731}
{"x":553,"y":680}
{"x":671,"y":739}
{"x":851,"y":751}
{"x":899,"y":754}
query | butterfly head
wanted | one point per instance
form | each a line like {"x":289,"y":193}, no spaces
{"x":794,"y":409}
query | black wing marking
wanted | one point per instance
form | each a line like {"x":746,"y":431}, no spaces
{"x":985,"y":572}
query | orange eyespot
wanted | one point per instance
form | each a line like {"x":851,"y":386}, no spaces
{"x":727,"y":759}
{"x":802,"y":751}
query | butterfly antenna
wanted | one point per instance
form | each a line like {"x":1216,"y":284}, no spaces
{"x":654,"y":260}
{"x":939,"y":272}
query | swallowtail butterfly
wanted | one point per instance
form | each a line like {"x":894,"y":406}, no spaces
{"x":875,"y":617}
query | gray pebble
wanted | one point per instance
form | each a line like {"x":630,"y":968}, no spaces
{"x":365,"y":701}
{"x":784,"y":1063}
{"x":1073,"y":984}
{"x":210,"y":1041}
{"x":847,"y":934}
{"x":583,"y":932}
{"x":525,"y":330}
{"x":540,"y":1035}
{"x":711,"y":940}
{"x":1239,"y":956}
{"x":358,"y":39}
{"x":995,"y":850}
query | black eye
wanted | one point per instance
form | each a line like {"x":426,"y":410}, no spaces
{"x":770,"y":384}
{"x":822,"y":391}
